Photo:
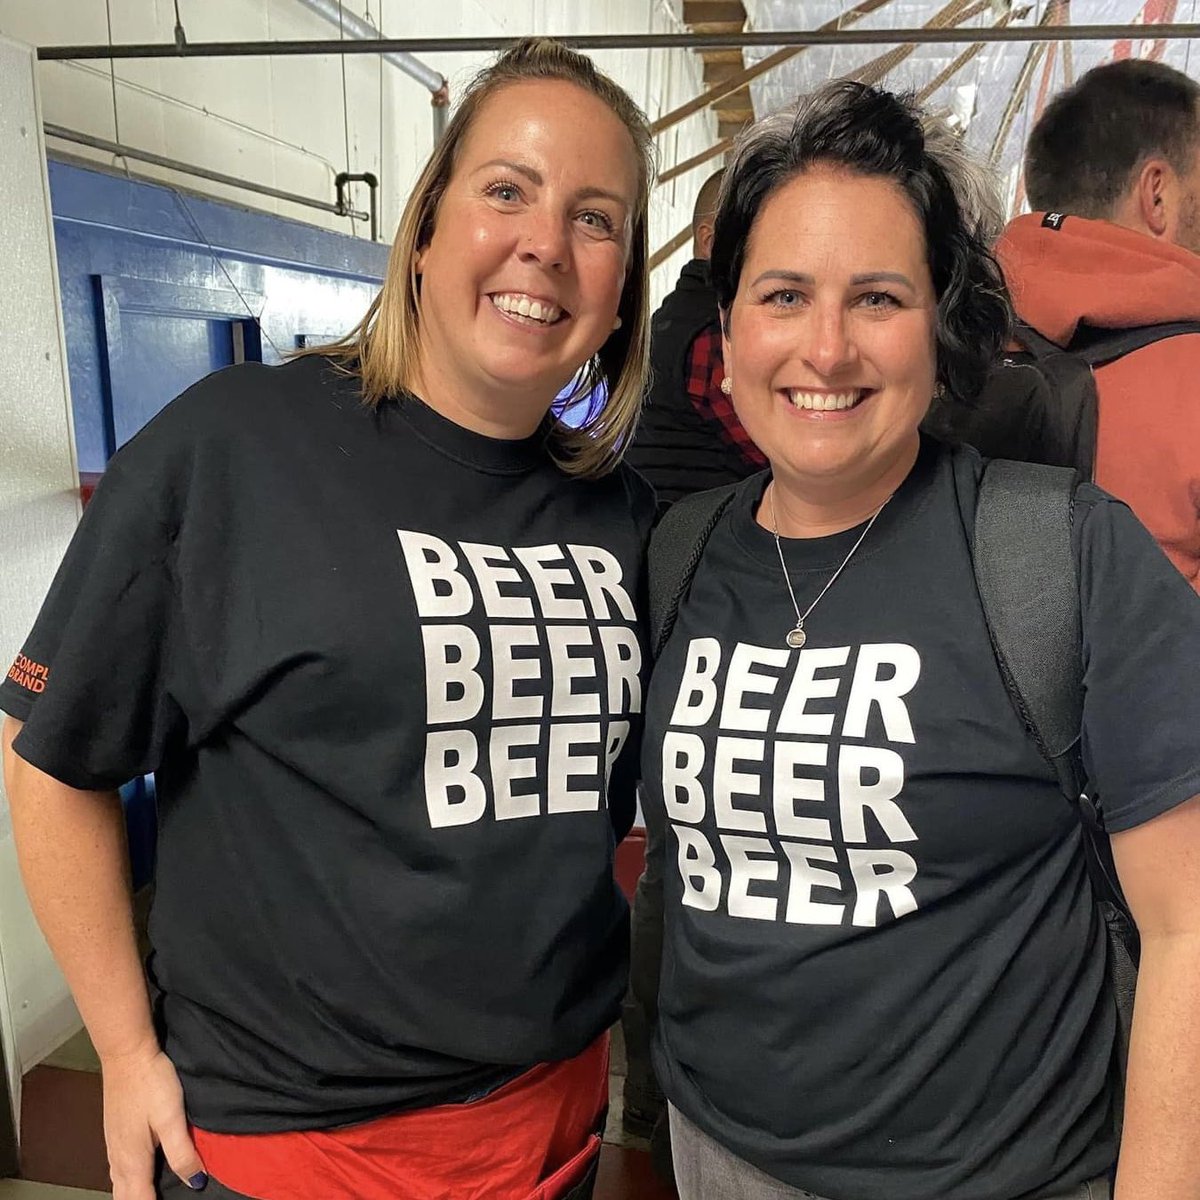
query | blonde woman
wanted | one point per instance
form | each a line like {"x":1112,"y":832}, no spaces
{"x":370,"y":617}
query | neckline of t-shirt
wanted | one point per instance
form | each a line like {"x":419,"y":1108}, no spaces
{"x":826,"y":553}
{"x":495,"y":456}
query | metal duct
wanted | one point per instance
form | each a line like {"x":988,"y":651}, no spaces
{"x":355,"y":27}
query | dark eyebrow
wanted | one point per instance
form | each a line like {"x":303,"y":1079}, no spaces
{"x":535,"y":177}
{"x":799,"y":277}
{"x":883,"y":277}
{"x":785,"y":277}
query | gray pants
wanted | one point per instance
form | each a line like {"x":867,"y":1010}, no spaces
{"x":705,"y":1170}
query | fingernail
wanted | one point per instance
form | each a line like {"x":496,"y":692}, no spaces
{"x":198,"y":1182}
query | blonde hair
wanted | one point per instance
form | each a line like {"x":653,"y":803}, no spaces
{"x":383,"y":347}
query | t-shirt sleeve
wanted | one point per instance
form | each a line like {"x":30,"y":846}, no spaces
{"x":91,"y":682}
{"x":1141,"y":648}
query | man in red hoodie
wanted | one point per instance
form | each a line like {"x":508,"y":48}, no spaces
{"x":1113,"y":171}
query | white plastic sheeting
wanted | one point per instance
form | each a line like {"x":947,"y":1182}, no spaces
{"x":979,"y":92}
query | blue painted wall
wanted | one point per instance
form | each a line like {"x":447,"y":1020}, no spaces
{"x":159,"y":288}
{"x":155,"y":282}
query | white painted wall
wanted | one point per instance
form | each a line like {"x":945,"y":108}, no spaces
{"x":39,"y":508}
{"x":282,"y":121}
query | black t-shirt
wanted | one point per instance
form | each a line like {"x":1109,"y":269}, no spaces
{"x":386,"y":671}
{"x":884,"y":973}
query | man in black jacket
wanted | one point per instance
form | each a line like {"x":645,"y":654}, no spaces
{"x":689,"y":437}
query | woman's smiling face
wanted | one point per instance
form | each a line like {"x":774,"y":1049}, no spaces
{"x":830,"y":339}
{"x":523,"y":273}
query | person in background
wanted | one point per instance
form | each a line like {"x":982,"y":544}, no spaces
{"x":370,"y":619}
{"x":689,"y":438}
{"x":1112,"y":170}
{"x":884,"y":970}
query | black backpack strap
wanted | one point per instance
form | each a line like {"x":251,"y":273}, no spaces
{"x":1025,"y":570}
{"x":676,"y":545}
{"x":1098,"y":347}
{"x":1037,"y":345}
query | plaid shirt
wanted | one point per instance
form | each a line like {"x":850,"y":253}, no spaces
{"x":705,"y":370}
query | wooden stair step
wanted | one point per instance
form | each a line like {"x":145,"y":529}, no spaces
{"x":718,"y":72}
{"x":713,"y":10}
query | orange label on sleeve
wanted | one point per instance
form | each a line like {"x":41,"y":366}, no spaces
{"x":30,"y":675}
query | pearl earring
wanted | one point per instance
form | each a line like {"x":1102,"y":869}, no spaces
{"x":616,"y":324}
{"x":727,"y":385}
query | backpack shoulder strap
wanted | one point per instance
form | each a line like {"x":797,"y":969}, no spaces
{"x":1097,"y":347}
{"x":1025,"y":570}
{"x":675,"y":549}
{"x":1037,"y":344}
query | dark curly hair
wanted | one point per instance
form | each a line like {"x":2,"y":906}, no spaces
{"x":876,"y":133}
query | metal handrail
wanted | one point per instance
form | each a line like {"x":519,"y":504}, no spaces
{"x":174,"y":164}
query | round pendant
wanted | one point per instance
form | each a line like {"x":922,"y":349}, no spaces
{"x":796,"y":638}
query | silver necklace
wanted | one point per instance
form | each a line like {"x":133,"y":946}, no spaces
{"x":797,"y":637}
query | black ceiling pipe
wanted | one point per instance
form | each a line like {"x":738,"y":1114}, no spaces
{"x":636,"y":41}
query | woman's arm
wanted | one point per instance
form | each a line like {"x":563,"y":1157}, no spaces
{"x":1159,"y":868}
{"x":74,"y":861}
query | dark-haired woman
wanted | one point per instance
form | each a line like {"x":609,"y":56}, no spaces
{"x":883,"y":972}
{"x":370,"y":617}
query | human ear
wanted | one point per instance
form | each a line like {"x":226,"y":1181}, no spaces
{"x":1152,"y":193}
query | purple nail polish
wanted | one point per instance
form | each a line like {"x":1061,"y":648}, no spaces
{"x":198,"y":1182}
